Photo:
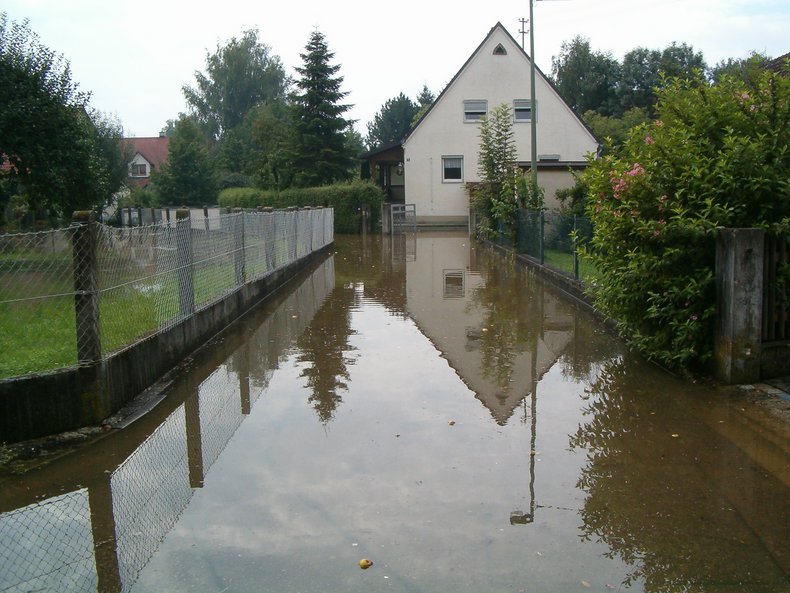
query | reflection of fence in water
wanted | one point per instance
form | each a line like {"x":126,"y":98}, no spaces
{"x":150,"y":489}
{"x":52,"y":545}
{"x":48,"y":546}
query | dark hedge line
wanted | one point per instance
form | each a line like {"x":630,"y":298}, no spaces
{"x":346,"y":198}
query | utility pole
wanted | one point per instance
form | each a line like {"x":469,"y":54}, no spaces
{"x":523,"y":30}
{"x":533,"y":110}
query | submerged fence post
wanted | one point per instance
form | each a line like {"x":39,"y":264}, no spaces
{"x":739,"y":300}
{"x":186,"y":288}
{"x":86,"y":283}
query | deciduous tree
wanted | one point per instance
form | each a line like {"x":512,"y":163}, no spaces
{"x":586,"y":79}
{"x":239,"y":75}
{"x":643,"y":69}
{"x":65,"y":155}
{"x":188,"y":176}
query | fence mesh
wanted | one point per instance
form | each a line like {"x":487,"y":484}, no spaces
{"x":150,"y":490}
{"x":48,"y":546}
{"x":37,"y":321}
{"x":77,"y":294}
{"x":554,"y":238}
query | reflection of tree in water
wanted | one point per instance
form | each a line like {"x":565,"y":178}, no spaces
{"x":323,"y":348}
{"x":661,"y":503}
{"x":592,"y":344}
{"x":512,"y":316}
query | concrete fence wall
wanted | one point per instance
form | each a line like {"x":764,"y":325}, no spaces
{"x":102,"y":382}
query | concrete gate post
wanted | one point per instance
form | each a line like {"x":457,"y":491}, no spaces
{"x":739,"y":296}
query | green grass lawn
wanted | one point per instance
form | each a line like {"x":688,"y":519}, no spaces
{"x":563,"y":261}
{"x":38,"y":335}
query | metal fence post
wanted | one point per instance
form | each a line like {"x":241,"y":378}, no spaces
{"x":542,"y":237}
{"x":186,"y":288}
{"x":238,"y":250}
{"x":574,"y":239}
{"x":86,"y":294}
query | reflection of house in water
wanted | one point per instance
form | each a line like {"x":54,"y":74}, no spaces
{"x":500,"y":345}
{"x":99,"y":537}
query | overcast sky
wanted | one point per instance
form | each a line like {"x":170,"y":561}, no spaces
{"x":134,"y":57}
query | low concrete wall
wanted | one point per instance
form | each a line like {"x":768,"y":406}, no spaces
{"x":42,"y":404}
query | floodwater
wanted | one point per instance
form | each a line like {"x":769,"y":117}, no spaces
{"x":421,"y":402}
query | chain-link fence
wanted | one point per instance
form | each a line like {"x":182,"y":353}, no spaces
{"x":48,"y":546}
{"x":554,"y":239}
{"x":37,"y":322}
{"x":150,"y":489}
{"x":76,"y":295}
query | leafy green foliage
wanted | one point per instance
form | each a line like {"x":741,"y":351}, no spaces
{"x":392,"y":122}
{"x":503,"y":188}
{"x":613,"y":130}
{"x":188,"y":178}
{"x":346,"y":198}
{"x":239,"y":76}
{"x":320,"y":152}
{"x":744,"y":68}
{"x":586,"y":79}
{"x":716,"y":157}
{"x":642,"y":71}
{"x":64,"y":155}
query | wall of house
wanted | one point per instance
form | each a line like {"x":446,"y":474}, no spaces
{"x":497,"y":79}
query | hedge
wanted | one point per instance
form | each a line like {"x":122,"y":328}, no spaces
{"x":346,"y":198}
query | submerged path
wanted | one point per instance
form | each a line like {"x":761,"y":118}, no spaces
{"x":419,"y":401}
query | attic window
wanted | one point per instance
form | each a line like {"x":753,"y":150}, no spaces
{"x":139,"y":170}
{"x":522,"y":110}
{"x":499,"y":50}
{"x":475,"y":110}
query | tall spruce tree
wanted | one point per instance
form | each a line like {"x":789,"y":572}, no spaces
{"x":321,"y":154}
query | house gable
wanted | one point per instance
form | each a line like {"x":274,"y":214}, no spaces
{"x":149,"y":155}
{"x":448,"y":134}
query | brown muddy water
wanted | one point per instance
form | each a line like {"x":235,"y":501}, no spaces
{"x":420,"y":402}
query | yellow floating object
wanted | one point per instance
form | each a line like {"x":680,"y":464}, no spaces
{"x":364,"y":564}
{"x":451,"y":423}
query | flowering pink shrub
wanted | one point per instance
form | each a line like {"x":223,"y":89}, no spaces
{"x":717,"y":157}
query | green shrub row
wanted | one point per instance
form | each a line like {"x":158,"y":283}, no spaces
{"x":347,"y":199}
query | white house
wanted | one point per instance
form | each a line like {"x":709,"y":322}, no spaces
{"x":441,"y":153}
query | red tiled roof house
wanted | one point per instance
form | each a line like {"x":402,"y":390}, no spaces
{"x":149,"y":155}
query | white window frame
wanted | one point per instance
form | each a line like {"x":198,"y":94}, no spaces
{"x":522,"y":106}
{"x":446,"y":158}
{"x":475,"y":110}
{"x":135,"y":170}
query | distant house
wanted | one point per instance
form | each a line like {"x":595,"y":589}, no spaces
{"x":149,"y":155}
{"x":441,"y":154}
